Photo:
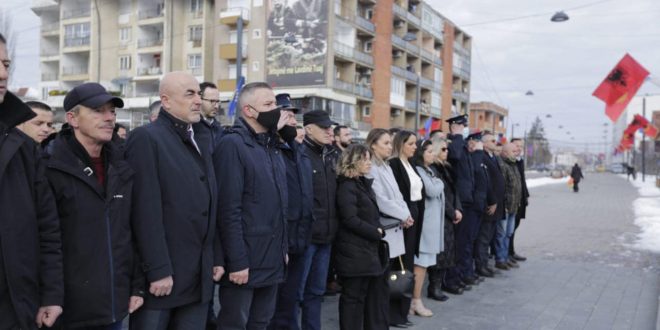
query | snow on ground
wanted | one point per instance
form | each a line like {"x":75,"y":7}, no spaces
{"x":532,"y":183}
{"x":647,"y":213}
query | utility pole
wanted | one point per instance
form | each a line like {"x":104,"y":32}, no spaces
{"x":643,"y":141}
{"x":239,"y":47}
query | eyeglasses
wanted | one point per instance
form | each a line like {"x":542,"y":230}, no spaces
{"x":214,"y":102}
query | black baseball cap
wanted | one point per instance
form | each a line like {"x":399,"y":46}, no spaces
{"x":460,"y":119}
{"x":91,"y":95}
{"x":284,"y":102}
{"x":318,"y":117}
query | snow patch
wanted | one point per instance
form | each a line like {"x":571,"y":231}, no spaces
{"x":532,"y":183}
{"x":647,"y":214}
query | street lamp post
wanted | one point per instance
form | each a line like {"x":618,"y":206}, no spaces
{"x":239,"y":47}
{"x":418,"y":96}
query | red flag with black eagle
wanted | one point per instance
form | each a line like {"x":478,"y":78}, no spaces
{"x":620,"y":86}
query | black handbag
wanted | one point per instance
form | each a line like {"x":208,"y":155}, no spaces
{"x":387,"y":222}
{"x":401,"y":282}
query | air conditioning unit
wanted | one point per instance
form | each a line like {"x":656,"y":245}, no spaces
{"x":369,"y":13}
{"x":368,"y":45}
{"x":399,"y":24}
{"x":396,"y":113}
{"x":397,"y":53}
{"x":366,"y":111}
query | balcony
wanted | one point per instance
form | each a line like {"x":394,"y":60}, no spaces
{"x":460,"y":49}
{"x":412,"y":18}
{"x":76,"y":41}
{"x":410,"y":75}
{"x":49,"y":76}
{"x":437,"y":86}
{"x":76,"y":13}
{"x":150,"y":42}
{"x":49,"y":52}
{"x":151,"y":13}
{"x":227,"y":85}
{"x":398,"y":41}
{"x":343,"y":86}
{"x":412,"y":48}
{"x":428,"y":55}
{"x":350,"y":53}
{"x":465,"y":74}
{"x":364,"y":91}
{"x":399,"y":71}
{"x":230,"y":16}
{"x":75,"y":73}
{"x":426,"y":83}
{"x":436,"y":111}
{"x":365,"y":24}
{"x":460,"y":95}
{"x":399,"y":11}
{"x":230,"y":51}
{"x":411,"y":104}
{"x":149,"y":71}
{"x":437,"y":60}
{"x":50,"y":29}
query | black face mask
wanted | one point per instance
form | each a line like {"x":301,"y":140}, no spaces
{"x":288,"y":133}
{"x":269,"y":119}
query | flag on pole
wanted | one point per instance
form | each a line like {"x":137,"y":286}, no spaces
{"x":234,"y":99}
{"x":620,"y":86}
{"x":430,"y":125}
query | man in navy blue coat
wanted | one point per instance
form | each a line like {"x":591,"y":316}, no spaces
{"x":174,"y":211}
{"x":252,"y":214}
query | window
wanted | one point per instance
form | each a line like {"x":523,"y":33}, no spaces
{"x":194,"y":61}
{"x":196,"y":6}
{"x":195,"y":32}
{"x":232,"y":71}
{"x":125,"y":62}
{"x":80,"y":30}
{"x":233,"y":37}
{"x":238,"y":4}
{"x":125,"y":34}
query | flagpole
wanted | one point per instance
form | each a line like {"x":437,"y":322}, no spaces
{"x":643,"y":141}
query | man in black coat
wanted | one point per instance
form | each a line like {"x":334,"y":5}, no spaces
{"x":92,"y":184}
{"x":482,"y":201}
{"x":31,"y":285}
{"x":520,"y":162}
{"x":495,"y":210}
{"x":299,"y":218}
{"x":463,"y":176}
{"x":174,"y":211}
{"x":318,"y":147}
{"x":252,"y":214}
{"x":210,"y":108}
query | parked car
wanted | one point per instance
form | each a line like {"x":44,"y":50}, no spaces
{"x":617,"y":168}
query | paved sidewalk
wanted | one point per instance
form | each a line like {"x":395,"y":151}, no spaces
{"x":581,"y":273}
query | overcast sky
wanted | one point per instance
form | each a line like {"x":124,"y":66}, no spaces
{"x":562,"y":63}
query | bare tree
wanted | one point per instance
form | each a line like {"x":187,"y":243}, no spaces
{"x":6,"y":28}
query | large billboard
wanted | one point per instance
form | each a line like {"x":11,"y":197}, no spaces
{"x":297,"y":42}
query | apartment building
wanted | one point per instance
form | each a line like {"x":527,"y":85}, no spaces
{"x":488,"y":116}
{"x":125,"y":45}
{"x":369,"y":63}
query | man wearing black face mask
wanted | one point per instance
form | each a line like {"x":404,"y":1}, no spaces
{"x":252,"y":214}
{"x":299,"y":218}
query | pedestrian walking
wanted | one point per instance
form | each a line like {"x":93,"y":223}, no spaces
{"x":31,"y":283}
{"x":391,"y":203}
{"x":576,"y":175}
{"x":361,"y":263}
{"x":174,"y":210}
{"x":252,"y":215}
{"x":92,"y":184}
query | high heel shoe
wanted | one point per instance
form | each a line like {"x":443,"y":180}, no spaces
{"x":417,"y":308}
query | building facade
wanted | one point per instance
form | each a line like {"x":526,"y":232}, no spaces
{"x":488,"y":116}
{"x":387,"y":63}
{"x":125,"y":45}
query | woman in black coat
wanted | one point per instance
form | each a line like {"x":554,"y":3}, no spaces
{"x":364,"y":300}
{"x":412,"y":189}
{"x":453,"y":215}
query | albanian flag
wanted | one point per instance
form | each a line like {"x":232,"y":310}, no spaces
{"x":620,"y":86}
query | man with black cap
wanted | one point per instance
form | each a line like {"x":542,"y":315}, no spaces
{"x":93,"y":183}
{"x":31,"y":286}
{"x":463,"y":175}
{"x":299,"y":218}
{"x":318,"y":147}
{"x":174,"y":211}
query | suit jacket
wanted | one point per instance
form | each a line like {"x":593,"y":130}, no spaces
{"x":174,"y":210}
{"x":495,"y":187}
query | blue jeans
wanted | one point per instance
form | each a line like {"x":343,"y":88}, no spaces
{"x":503,"y":237}
{"x":317,"y":261}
